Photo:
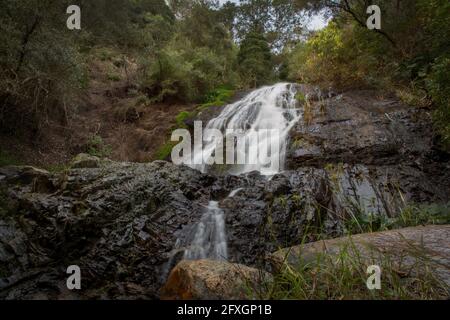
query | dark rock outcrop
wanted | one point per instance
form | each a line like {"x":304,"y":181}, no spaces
{"x":117,"y":222}
{"x":359,"y":127}
{"x":126,"y":225}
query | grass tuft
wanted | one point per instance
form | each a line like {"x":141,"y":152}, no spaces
{"x":98,"y":148}
{"x":344,"y":277}
{"x":165,"y":151}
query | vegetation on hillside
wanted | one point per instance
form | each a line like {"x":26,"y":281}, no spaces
{"x":255,"y":61}
{"x":185,"y":49}
{"x":410,"y":54}
{"x":215,"y":98}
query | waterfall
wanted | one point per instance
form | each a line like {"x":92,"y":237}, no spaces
{"x":271,"y":107}
{"x":210,"y":240}
{"x":267,"y":108}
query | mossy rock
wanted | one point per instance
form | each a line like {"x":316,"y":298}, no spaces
{"x":84,"y":161}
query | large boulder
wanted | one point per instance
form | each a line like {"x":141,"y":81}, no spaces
{"x":214,"y":280}
{"x":83,"y":161}
{"x":39,"y":180}
{"x":406,"y":248}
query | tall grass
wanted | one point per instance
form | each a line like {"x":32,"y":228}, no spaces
{"x":343,"y":277}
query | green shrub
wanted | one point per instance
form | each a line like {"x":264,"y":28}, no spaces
{"x":410,"y":216}
{"x":42,"y":68}
{"x":216,"y":98}
{"x":165,"y":151}
{"x":105,"y":54}
{"x":336,"y":56}
{"x":142,"y":100}
{"x":113,"y":77}
{"x":98,"y":148}
{"x":183,"y":72}
{"x":300,"y":97}
{"x":222,"y":94}
{"x":181,"y":117}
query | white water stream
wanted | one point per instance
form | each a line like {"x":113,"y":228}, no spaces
{"x":272,"y":107}
{"x":210,"y":239}
{"x":267,"y":108}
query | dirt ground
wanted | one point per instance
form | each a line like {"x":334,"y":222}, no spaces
{"x":123,"y":123}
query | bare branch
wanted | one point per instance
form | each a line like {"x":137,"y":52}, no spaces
{"x":25,"y":40}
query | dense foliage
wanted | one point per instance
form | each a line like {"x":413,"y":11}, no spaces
{"x":409,"y":54}
{"x":255,"y":59}
{"x":196,"y":56}
{"x":183,"y":52}
{"x":186,"y":49}
{"x":42,"y":62}
{"x":40,"y":65}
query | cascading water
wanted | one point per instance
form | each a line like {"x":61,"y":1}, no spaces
{"x":267,"y":108}
{"x":272,"y":107}
{"x":210,"y":240}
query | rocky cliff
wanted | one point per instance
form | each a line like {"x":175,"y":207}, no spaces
{"x":126,"y":224}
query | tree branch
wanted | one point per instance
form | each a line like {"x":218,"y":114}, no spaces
{"x":345,"y":6}
{"x":25,"y":40}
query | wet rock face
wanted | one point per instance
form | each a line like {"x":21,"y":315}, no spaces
{"x":358,"y":127}
{"x":295,"y":205}
{"x":117,"y":222}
